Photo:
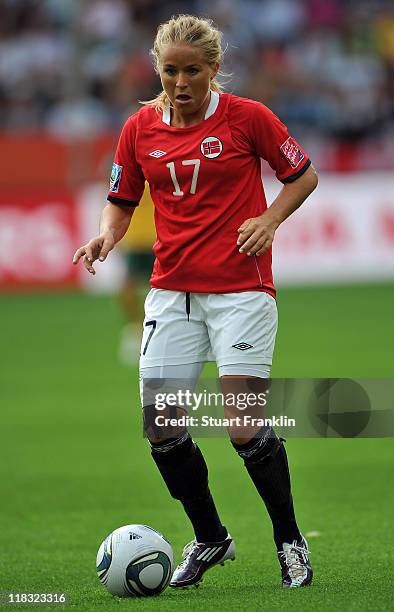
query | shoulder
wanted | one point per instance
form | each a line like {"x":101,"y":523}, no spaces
{"x":243,"y":105}
{"x":145,"y":117}
{"x":249,"y":119}
{"x":246,"y":108}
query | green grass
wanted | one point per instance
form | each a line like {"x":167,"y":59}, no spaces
{"x":74,"y":465}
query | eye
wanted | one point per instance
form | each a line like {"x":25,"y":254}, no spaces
{"x":193,"y":71}
{"x":170,"y":71}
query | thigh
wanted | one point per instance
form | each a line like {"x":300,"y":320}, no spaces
{"x":170,"y":336}
{"x":242,"y":329}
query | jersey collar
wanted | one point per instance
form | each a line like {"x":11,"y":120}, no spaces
{"x":213,"y":104}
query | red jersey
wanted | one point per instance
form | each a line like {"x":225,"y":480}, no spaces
{"x":205,"y":181}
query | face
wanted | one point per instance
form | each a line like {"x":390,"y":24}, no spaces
{"x":186,"y":77}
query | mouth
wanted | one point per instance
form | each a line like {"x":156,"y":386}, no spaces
{"x":183,"y":98}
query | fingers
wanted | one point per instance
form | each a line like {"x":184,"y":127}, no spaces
{"x":89,"y":253}
{"x":245,"y":230}
{"x":87,"y":262}
{"x":256,"y":244}
{"x":261,"y":246}
{"x":254,"y":237}
{"x":78,"y":254}
{"x":86,"y":253}
{"x":264,"y":247}
{"x":108,"y":245}
{"x":93,"y":250}
{"x":250,"y":237}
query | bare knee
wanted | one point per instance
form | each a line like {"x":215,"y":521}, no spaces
{"x":237,"y":439}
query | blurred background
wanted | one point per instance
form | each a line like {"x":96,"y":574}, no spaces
{"x":74,"y":464}
{"x":72,"y":71}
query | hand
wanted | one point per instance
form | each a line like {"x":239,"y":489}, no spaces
{"x":256,"y":235}
{"x":97,"y":248}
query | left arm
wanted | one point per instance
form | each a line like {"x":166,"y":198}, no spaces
{"x":257,"y":234}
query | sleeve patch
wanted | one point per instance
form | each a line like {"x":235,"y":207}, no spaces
{"x":292,"y":152}
{"x":115,"y":177}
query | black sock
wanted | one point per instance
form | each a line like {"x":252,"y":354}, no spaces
{"x":185,"y":473}
{"x":268,"y":468}
{"x":205,"y":519}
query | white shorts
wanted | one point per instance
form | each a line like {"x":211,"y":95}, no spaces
{"x":233,"y":329}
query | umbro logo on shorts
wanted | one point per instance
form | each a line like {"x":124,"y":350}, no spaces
{"x":243,"y":346}
{"x":157,"y":153}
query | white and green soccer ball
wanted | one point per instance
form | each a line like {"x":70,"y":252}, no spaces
{"x":135,"y":560}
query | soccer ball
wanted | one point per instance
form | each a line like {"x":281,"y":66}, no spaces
{"x":135,"y":560}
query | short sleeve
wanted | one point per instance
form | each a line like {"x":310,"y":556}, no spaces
{"x":127,"y":180}
{"x":272,"y":141}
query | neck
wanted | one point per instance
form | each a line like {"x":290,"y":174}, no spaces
{"x":178,"y":119}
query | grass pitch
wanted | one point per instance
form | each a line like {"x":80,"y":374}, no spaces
{"x":74,"y":465}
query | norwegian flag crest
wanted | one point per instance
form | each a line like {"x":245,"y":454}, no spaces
{"x":211,"y":147}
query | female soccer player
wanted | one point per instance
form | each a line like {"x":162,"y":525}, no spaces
{"x":200,"y":150}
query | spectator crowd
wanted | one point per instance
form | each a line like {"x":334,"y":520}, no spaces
{"x":76,"y":68}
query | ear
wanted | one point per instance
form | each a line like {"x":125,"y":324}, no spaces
{"x":214,"y":70}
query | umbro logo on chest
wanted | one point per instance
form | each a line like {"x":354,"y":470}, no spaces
{"x":157,"y":153}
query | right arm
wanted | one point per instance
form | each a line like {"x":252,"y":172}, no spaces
{"x":114,"y":222}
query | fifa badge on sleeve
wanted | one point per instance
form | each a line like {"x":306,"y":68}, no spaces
{"x":115,"y":177}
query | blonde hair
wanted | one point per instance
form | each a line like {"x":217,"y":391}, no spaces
{"x":190,"y":30}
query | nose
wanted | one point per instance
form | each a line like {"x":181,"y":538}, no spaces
{"x":181,"y":80}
